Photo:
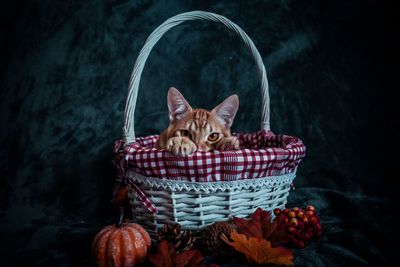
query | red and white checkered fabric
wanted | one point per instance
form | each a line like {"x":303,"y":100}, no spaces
{"x":262,"y":154}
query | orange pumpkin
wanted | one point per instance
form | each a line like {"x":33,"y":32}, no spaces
{"x":122,"y":244}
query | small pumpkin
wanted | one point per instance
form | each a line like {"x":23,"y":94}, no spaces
{"x":122,"y":244}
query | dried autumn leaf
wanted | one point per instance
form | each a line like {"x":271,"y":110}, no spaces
{"x":189,"y":258}
{"x":250,"y":228}
{"x":264,"y":217}
{"x":167,"y":257}
{"x":259,"y":225}
{"x":259,"y":251}
{"x":280,"y":234}
{"x":120,"y":197}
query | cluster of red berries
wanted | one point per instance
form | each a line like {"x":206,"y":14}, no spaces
{"x":301,"y":224}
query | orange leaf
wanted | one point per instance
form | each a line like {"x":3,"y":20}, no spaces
{"x":259,"y":250}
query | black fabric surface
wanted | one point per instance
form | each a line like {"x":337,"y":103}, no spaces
{"x":65,"y":67}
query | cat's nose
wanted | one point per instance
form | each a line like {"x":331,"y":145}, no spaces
{"x":203,"y":148}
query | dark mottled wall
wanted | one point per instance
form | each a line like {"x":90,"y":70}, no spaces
{"x":64,"y":72}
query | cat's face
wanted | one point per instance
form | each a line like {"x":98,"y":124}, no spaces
{"x":205,"y":128}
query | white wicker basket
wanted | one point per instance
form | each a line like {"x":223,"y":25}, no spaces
{"x":196,"y":205}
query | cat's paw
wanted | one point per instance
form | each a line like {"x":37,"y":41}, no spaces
{"x":229,"y":143}
{"x":181,"y":146}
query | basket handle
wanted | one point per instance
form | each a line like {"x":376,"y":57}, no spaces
{"x":129,"y":127}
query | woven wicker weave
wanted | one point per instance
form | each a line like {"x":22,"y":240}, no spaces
{"x":196,"y":205}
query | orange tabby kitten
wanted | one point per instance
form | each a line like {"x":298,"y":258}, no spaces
{"x":193,"y":130}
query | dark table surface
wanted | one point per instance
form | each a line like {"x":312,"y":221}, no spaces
{"x":64,"y":72}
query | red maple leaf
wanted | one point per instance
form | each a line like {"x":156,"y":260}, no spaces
{"x":259,"y":225}
{"x":167,"y":257}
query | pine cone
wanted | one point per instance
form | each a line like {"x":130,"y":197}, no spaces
{"x":211,"y":237}
{"x":182,"y":240}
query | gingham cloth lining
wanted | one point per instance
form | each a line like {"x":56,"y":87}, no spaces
{"x":262,"y":154}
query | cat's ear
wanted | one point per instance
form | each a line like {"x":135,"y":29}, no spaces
{"x":226,"y":111}
{"x":177,"y":105}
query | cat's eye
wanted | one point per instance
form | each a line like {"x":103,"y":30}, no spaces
{"x":212,"y":137}
{"x":185,"y":133}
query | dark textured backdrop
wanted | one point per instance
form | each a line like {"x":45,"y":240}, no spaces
{"x":64,"y":72}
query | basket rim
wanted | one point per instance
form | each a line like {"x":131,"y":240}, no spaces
{"x":268,"y":155}
{"x":212,"y":187}
{"x":143,"y":142}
